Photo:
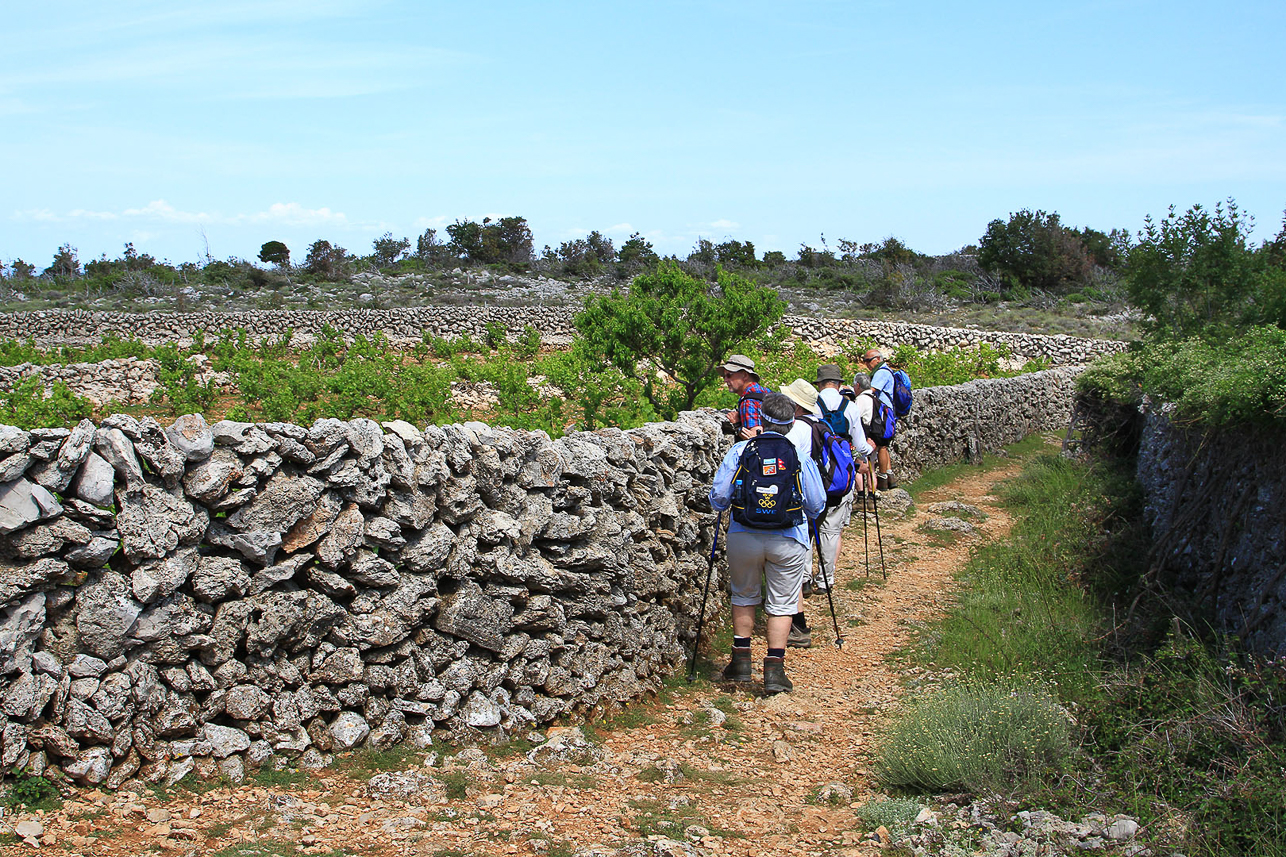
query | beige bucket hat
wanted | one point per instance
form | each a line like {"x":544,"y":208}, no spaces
{"x":803,"y":394}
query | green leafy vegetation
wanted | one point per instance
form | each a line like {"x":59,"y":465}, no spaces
{"x":553,"y":391}
{"x":673,"y":325}
{"x":31,"y":793}
{"x":1216,"y":321}
{"x":27,"y":405}
{"x":1239,"y":379}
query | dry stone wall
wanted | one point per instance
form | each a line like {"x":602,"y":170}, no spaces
{"x":78,"y":327}
{"x":1214,"y":502}
{"x":199,"y":597}
{"x":959,"y":423}
{"x":210,"y":596}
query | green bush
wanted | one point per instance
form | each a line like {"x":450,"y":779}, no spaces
{"x":1239,"y":379}
{"x":26,"y":405}
{"x":672,"y":324}
{"x":1196,"y":274}
{"x":977,"y":736}
{"x":32,"y":793}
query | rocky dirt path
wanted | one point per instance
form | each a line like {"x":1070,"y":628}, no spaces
{"x":706,"y":770}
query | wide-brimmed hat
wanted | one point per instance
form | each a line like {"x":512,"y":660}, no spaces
{"x":803,"y":394}
{"x":740,"y":363}
{"x":829,"y":372}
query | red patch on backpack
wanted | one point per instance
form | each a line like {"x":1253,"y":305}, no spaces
{"x":770,"y":468}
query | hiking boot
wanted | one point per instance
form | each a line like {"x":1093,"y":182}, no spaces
{"x":808,"y":587}
{"x":738,"y":669}
{"x":800,"y":638}
{"x":775,"y":680}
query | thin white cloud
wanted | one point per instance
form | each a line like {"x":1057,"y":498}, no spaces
{"x":725,"y":224}
{"x":283,"y":213}
{"x":39,"y":215}
{"x":294,"y":214}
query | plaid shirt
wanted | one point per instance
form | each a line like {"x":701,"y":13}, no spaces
{"x":750,"y":411}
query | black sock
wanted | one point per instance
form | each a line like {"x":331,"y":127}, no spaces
{"x":800,"y":621}
{"x":777,"y":653}
{"x":741,"y":642}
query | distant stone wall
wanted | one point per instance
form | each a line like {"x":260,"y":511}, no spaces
{"x":74,"y":327}
{"x":1059,"y":350}
{"x":951,"y":424}
{"x":1215,"y":503}
{"x":207,"y":597}
{"x":126,"y":380}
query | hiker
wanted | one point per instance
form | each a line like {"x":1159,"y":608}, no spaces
{"x":804,"y":396}
{"x":773,"y":492}
{"x":740,"y":376}
{"x":881,"y":382}
{"x":843,"y":418}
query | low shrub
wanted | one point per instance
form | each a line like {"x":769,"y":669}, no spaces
{"x":976,"y":736}
{"x":32,"y":793}
{"x":895,"y":815}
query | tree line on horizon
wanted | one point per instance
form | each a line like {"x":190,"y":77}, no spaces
{"x":1030,"y":257}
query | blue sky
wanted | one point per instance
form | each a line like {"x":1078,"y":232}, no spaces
{"x":179,"y":126}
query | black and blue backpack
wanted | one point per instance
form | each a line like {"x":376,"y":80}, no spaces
{"x":884,"y":421}
{"x":766,"y":492}
{"x":833,"y":454}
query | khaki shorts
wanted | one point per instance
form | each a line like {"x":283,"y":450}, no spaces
{"x":780,"y":562}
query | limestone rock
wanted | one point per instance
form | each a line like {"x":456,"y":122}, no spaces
{"x":192,"y":437}
{"x":153,"y":523}
{"x":20,"y":627}
{"x":219,"y":578}
{"x":349,"y":730}
{"x":225,"y":740}
{"x":18,"y":506}
{"x":115,"y":447}
{"x":156,"y":580}
{"x":471,"y":615}
{"x":95,"y":481}
{"x":106,"y":614}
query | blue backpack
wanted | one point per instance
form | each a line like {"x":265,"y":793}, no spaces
{"x":836,"y":419}
{"x":766,"y":493}
{"x":902,"y":398}
{"x":884,"y":422}
{"x":833,"y":455}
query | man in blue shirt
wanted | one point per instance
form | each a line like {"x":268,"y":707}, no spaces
{"x":779,"y":556}
{"x":882,"y":384}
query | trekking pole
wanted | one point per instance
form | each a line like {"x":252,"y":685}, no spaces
{"x":879,"y":539}
{"x":866,"y":544}
{"x":821,"y":563}
{"x":705,"y":593}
